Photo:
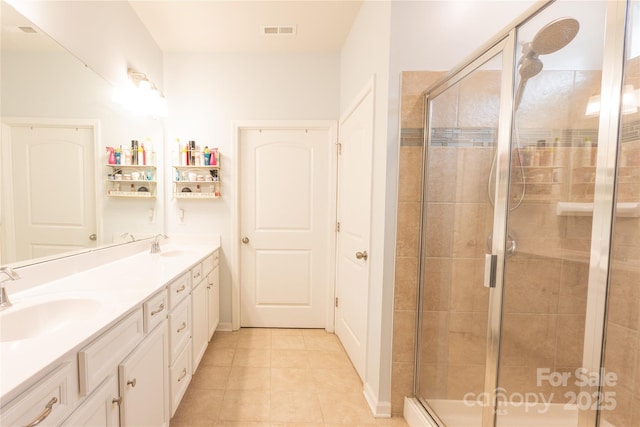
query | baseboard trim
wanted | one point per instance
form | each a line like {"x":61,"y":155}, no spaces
{"x":224,"y":327}
{"x":415,"y":415}
{"x":379,"y":409}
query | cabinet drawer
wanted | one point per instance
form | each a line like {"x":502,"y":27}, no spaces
{"x":180,"y":377}
{"x":196,"y":274}
{"x":207,"y":264}
{"x":50,"y":400}
{"x":100,"y":358}
{"x":179,"y":289}
{"x":179,"y":329}
{"x":155,"y":310}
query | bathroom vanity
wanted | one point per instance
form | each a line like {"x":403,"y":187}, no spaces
{"x":112,"y":345}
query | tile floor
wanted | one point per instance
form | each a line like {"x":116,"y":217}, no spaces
{"x":276,"y":377}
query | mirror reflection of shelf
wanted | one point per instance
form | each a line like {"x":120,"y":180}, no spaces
{"x":131,"y":181}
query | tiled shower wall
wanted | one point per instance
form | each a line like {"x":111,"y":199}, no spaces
{"x":409,"y":188}
{"x":564,"y":301}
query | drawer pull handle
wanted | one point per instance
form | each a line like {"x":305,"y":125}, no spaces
{"x":158,"y":310}
{"x":181,"y":288}
{"x":132,"y":382}
{"x":183,"y":374}
{"x":196,"y":275}
{"x":181,"y":328}
{"x":47,"y":411}
{"x":116,"y":400}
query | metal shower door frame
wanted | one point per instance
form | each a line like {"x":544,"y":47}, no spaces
{"x":604,"y":197}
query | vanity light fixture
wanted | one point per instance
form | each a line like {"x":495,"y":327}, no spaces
{"x":141,"y":96}
{"x":630,"y":102}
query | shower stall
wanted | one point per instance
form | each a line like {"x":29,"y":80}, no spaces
{"x":529,"y":260}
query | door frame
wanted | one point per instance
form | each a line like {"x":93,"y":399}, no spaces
{"x":237,"y":127}
{"x":8,"y":123}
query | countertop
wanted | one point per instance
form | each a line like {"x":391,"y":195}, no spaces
{"x":116,"y":288}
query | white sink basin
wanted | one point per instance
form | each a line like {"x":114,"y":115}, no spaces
{"x":174,"y":253}
{"x":18,"y":323}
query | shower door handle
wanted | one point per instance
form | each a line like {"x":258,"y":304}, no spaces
{"x":490,"y":267}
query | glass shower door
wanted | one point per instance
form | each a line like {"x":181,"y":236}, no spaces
{"x":545,"y":288}
{"x":457,"y":218}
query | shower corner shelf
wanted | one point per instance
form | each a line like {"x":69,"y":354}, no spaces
{"x":623,"y":209}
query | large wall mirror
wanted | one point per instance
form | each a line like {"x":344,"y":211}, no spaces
{"x":58,"y":117}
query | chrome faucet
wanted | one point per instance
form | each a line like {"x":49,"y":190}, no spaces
{"x":128,"y":235}
{"x":4,"y":298}
{"x":155,"y":245}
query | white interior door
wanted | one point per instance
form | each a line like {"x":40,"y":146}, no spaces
{"x":53,"y":189}
{"x":284,"y":227}
{"x":354,"y":216}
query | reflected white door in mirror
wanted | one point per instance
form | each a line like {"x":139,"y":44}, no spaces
{"x":48,"y":189}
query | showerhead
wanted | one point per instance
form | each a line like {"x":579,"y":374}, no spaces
{"x":550,"y":38}
{"x":554,"y":36}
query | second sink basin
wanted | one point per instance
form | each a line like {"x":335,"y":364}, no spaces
{"x":20,"y":323}
{"x":173,"y":253}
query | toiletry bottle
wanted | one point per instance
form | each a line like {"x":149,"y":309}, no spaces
{"x":118,"y":156}
{"x":140,"y":156}
{"x":192,"y":153}
{"x":214,"y":157}
{"x":112,"y":155}
{"x":134,"y":152}
{"x":188,"y":155}
{"x":144,"y":155}
{"x":207,"y":155}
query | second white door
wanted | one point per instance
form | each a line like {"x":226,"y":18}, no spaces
{"x":284,"y":227}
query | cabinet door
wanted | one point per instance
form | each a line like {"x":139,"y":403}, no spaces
{"x":213,"y":300}
{"x":199,"y":324}
{"x":100,"y":409}
{"x":143,"y":379}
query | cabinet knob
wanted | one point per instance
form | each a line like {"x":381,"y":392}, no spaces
{"x":245,"y":240}
{"x":116,"y":400}
{"x":362,"y":255}
{"x":93,"y":236}
{"x":132,"y":382}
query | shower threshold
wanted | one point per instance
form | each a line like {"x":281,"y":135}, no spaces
{"x":458,"y":413}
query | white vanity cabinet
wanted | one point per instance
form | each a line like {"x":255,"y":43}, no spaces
{"x":101,"y":409}
{"x":143,"y":384}
{"x":46,"y":403}
{"x":205,"y":302}
{"x":213,"y":295}
{"x":180,"y":330}
{"x":199,"y":337}
{"x":124,"y":371}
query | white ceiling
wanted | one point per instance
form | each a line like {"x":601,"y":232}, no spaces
{"x":236,"y":25}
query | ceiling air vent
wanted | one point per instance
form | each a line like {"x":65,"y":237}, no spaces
{"x":279,"y":30}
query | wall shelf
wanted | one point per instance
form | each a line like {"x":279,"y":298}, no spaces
{"x":196,"y":182}
{"x":623,"y":209}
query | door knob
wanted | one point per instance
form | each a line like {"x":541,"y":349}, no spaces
{"x":362,"y":255}
{"x":245,"y":240}
{"x":93,"y":236}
